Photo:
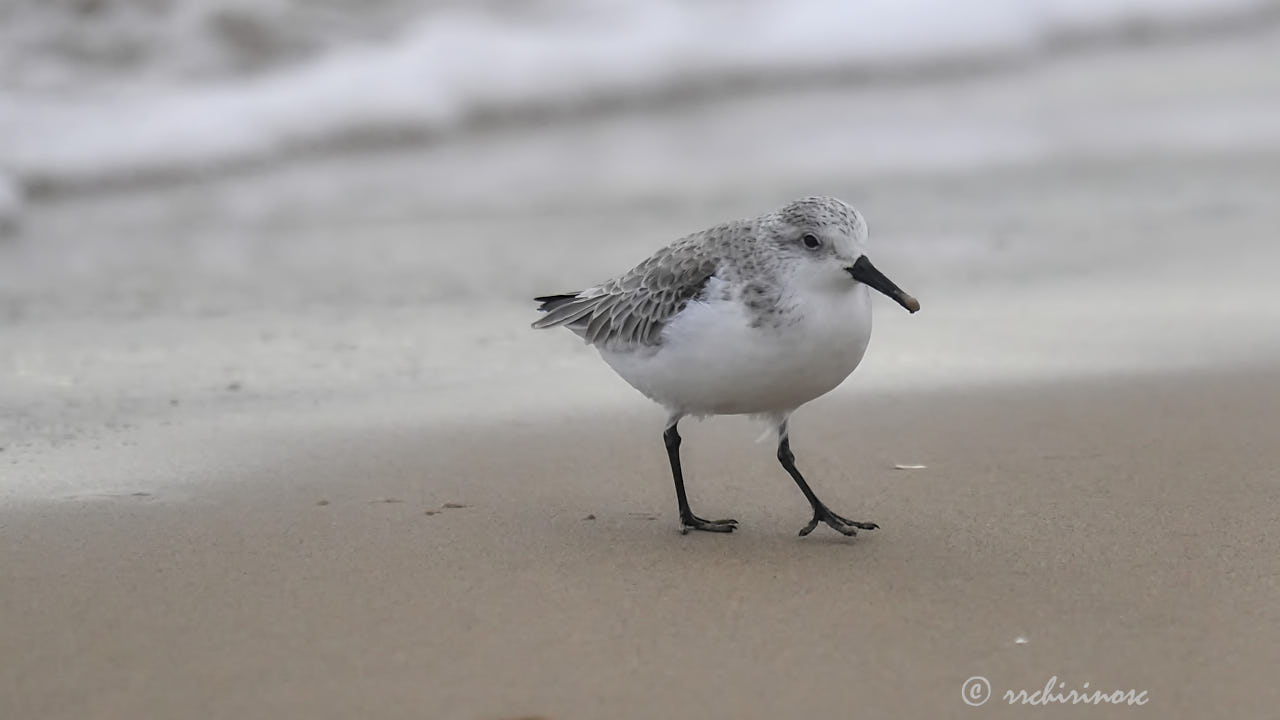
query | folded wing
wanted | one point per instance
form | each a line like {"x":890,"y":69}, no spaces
{"x":633,"y":308}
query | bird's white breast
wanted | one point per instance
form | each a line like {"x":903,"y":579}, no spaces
{"x":713,"y":361}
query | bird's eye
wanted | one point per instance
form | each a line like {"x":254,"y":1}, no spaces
{"x":811,"y":241}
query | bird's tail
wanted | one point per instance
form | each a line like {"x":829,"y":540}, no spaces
{"x":551,"y":302}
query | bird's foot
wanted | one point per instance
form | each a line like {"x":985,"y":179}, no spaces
{"x":689,"y":521}
{"x":844,"y":526}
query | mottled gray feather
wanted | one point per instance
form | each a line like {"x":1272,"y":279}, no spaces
{"x":633,"y":308}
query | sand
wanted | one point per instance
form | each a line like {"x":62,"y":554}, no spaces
{"x":1125,"y":529}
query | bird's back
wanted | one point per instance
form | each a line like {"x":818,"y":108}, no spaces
{"x":633,"y":309}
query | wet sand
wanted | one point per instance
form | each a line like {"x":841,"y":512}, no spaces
{"x":1125,"y":529}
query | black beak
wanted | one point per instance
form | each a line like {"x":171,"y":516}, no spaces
{"x":866,"y":273}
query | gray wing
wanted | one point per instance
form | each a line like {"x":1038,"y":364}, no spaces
{"x":633,"y":308}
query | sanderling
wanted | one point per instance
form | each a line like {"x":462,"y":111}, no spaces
{"x":751,"y":317}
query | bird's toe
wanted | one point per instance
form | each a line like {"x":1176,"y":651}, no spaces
{"x":833,"y":520}
{"x":693,"y":522}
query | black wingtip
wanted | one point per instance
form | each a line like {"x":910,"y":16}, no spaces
{"x":551,"y":302}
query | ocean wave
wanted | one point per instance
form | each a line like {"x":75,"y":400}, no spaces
{"x":457,"y":65}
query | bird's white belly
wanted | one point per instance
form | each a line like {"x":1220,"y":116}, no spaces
{"x":713,"y":362}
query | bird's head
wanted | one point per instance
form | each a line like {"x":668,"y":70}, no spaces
{"x":823,"y":241}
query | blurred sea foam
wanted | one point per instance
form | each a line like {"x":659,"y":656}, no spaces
{"x":98,"y":92}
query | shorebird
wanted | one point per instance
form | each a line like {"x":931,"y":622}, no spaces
{"x":750,"y":317}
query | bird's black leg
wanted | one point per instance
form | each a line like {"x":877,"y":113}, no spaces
{"x":689,"y":521}
{"x":821,"y":513}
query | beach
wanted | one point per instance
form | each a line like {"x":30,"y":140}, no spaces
{"x":280,"y":442}
{"x":237,"y":553}
{"x":1125,"y":529}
